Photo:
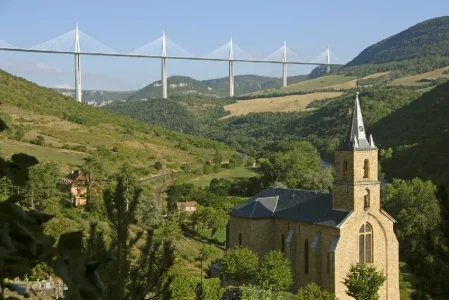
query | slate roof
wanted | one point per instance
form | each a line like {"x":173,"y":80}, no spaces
{"x":296,"y":205}
{"x":356,"y":135}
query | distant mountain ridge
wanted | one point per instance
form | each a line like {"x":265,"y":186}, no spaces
{"x":219,"y":87}
{"x":420,"y":48}
{"x":97,"y":97}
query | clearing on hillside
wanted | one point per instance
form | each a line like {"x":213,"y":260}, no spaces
{"x":276,"y":104}
{"x":423,"y":78}
{"x":311,"y":84}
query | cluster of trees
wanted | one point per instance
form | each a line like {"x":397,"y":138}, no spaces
{"x":422,"y":212}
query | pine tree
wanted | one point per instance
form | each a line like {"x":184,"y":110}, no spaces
{"x":129,"y":277}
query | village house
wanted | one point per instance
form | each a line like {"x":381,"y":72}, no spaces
{"x":188,"y":206}
{"x":324,"y":234}
{"x":79,"y":183}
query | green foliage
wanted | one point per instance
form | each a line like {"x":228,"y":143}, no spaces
{"x":297,"y":165}
{"x":212,"y":289}
{"x":418,"y":138}
{"x":182,"y":285}
{"x":158,"y":165}
{"x":155,"y":257}
{"x":363,"y":282}
{"x":239,"y":263}
{"x":235,"y":161}
{"x":420,"y":48}
{"x":313,"y":291}
{"x":254,"y":293}
{"x":39,"y":140}
{"x":275,"y":273}
{"x":405,"y":201}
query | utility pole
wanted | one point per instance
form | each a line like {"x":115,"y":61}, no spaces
{"x":78,"y":92}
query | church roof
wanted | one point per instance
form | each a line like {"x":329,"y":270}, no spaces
{"x":356,"y":136}
{"x":296,"y":205}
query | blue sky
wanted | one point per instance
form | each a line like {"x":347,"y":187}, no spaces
{"x":199,"y":26}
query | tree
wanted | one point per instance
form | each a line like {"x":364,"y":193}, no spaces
{"x":129,"y":278}
{"x":251,"y":292}
{"x":363,"y":282}
{"x":313,"y":291}
{"x":235,"y":161}
{"x":297,"y":165}
{"x":239,"y":264}
{"x":220,"y":187}
{"x":275,"y":272}
{"x":415,"y":206}
{"x":158,"y":165}
{"x":212,"y":289}
{"x":39,"y":140}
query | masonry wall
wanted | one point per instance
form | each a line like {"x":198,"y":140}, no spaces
{"x":385,"y":252}
{"x":263,"y":235}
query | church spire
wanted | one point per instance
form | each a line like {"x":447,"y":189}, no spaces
{"x":356,"y":136}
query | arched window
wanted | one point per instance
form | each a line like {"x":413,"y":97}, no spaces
{"x":345,"y":169}
{"x":306,"y":257}
{"x":240,"y":239}
{"x":366,"y":169}
{"x":366,"y":199}
{"x":366,"y":244}
{"x":283,"y":243}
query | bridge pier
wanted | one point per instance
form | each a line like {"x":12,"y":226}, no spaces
{"x":284,"y":66}
{"x":328,"y":68}
{"x":78,"y":91}
{"x":164,"y":67}
{"x":231,"y":70}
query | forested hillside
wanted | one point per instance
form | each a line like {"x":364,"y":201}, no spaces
{"x":420,"y":48}
{"x":54,"y":127}
{"x":419,"y":136}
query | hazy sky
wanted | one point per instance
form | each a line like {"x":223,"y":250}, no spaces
{"x":199,"y":26}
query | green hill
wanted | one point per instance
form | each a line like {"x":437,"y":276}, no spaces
{"x":420,"y":48}
{"x":419,"y":136}
{"x":72,"y":131}
{"x":219,"y":87}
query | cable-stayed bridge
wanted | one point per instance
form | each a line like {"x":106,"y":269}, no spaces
{"x":78,"y":43}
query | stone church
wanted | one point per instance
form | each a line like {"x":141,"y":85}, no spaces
{"x":324,"y":234}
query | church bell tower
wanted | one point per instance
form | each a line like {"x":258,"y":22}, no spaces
{"x":356,"y":186}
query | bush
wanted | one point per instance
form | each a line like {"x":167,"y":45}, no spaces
{"x":158,"y":165}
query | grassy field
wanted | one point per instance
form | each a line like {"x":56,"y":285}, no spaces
{"x":42,"y":153}
{"x":276,"y":104}
{"x":311,"y":84}
{"x":244,"y":172}
{"x":414,"y":79}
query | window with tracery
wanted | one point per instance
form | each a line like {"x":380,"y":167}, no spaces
{"x":366,"y":244}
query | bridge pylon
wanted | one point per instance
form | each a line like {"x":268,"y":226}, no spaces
{"x":328,"y":68}
{"x":231,"y":69}
{"x":164,"y":67}
{"x":284,"y":65}
{"x":78,"y":91}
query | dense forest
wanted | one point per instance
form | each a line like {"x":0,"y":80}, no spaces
{"x":420,"y":48}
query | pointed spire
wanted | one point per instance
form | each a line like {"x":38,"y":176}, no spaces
{"x":371,"y":141}
{"x":356,"y":136}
